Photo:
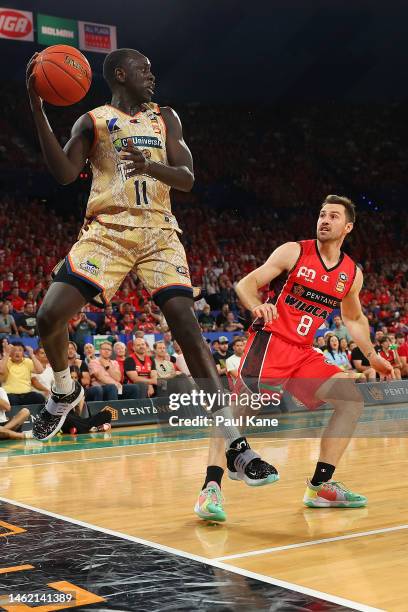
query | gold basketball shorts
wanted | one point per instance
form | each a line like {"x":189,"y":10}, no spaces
{"x":105,"y":254}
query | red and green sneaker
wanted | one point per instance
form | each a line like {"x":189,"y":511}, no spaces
{"x":332,"y":494}
{"x":209,"y":504}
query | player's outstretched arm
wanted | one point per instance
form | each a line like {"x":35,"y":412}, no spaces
{"x":64,"y":164}
{"x":281,"y":260}
{"x":179,"y":174}
{"x":357,"y":324}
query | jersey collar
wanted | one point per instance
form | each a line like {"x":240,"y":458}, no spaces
{"x":322,"y":262}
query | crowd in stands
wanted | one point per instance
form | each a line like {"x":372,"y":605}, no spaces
{"x":220,"y":250}
{"x":280,"y":164}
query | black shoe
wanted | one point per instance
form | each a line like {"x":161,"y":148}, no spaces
{"x":244,"y":464}
{"x":46,"y":425}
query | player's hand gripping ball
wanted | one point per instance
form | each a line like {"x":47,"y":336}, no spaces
{"x":61,"y":74}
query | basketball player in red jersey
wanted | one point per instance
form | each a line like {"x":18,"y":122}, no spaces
{"x":279,"y":353}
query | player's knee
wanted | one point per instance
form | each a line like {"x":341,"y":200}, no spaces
{"x":48,"y":317}
{"x":344,"y":393}
{"x":348,"y":395}
{"x":179,"y":314}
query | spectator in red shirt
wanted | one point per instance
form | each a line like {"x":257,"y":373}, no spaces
{"x":16,"y":300}
{"x":139,"y":367}
{"x":138,"y":300}
{"x":402,"y":350}
{"x":144,"y":325}
{"x":126,"y":309}
{"x":151,"y":317}
{"x":110,"y":323}
{"x":127,"y":325}
{"x":26,"y":284}
{"x":390,"y":355}
{"x":7,"y":284}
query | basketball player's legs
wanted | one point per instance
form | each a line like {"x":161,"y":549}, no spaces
{"x":95,"y":266}
{"x":341,"y":392}
{"x":242,"y":461}
{"x":165,"y":274}
{"x":313,"y":383}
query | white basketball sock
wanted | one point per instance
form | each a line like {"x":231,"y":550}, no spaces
{"x":63,"y":382}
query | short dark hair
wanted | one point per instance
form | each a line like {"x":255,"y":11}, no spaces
{"x":20,"y":344}
{"x":115,"y":59}
{"x":237,"y":339}
{"x":349,"y":206}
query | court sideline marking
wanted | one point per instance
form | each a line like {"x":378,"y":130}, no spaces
{"x":349,"y":536}
{"x":109,"y":458}
{"x":96,"y":448}
{"x":212,"y":562}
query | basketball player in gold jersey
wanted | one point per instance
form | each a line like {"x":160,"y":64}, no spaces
{"x":137,"y":153}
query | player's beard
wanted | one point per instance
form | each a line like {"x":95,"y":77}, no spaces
{"x":325,"y":236}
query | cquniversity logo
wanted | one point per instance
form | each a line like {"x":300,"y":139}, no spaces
{"x":138,"y":141}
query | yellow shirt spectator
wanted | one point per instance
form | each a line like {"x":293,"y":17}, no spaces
{"x":19,"y":376}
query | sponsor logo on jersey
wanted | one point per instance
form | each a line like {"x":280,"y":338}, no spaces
{"x":309,"y":308}
{"x":325,"y":278}
{"x":111,"y":125}
{"x":155,"y":124}
{"x":341,"y":282}
{"x":139,"y":141}
{"x":298,"y":289}
{"x":91,"y":266}
{"x":182,"y":270}
{"x":308,"y":273}
{"x":315,"y":296}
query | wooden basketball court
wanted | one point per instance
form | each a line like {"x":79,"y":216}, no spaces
{"x":142,"y":486}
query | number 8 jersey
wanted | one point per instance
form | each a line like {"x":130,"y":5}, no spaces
{"x":310,"y":294}
{"x":140,"y":201}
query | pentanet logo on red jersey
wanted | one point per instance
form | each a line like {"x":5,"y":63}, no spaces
{"x":17,"y":25}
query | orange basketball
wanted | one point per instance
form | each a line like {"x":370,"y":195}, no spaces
{"x":62,"y":75}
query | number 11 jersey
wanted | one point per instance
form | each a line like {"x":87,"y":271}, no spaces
{"x":140,"y":201}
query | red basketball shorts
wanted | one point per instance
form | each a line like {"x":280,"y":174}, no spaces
{"x":270,"y":363}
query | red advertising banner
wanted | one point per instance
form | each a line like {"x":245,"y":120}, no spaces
{"x":16,"y":25}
